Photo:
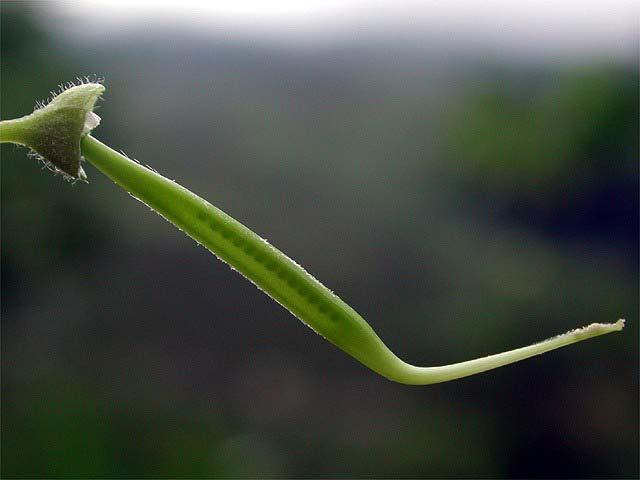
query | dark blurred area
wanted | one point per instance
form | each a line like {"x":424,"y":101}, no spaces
{"x":463,"y":204}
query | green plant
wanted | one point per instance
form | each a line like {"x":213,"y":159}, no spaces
{"x":58,"y":133}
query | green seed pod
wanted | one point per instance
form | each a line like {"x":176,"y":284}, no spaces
{"x":54,"y":131}
{"x":58,"y":133}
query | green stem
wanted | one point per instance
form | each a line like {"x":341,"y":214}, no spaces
{"x":12,"y":131}
{"x":288,"y":283}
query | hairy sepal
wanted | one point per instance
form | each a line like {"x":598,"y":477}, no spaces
{"x":54,"y":131}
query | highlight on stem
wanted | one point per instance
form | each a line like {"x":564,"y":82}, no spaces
{"x":58,"y":134}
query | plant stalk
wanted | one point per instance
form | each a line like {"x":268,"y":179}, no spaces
{"x":12,"y":131}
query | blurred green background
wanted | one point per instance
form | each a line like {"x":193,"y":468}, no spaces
{"x":463,"y":201}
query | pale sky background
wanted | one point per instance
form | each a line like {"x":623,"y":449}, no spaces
{"x":535,"y":28}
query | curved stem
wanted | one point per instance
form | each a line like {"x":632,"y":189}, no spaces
{"x":288,"y":283}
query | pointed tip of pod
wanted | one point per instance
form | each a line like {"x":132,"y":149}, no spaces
{"x":619,"y":325}
{"x":54,"y":131}
{"x":600,"y":328}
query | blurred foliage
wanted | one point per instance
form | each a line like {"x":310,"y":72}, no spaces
{"x":563,"y":136}
{"x":564,"y":155}
{"x":462,"y":208}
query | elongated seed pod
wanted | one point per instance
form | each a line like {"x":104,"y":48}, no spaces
{"x":271,"y":270}
{"x":287,"y":282}
{"x":268,"y":268}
